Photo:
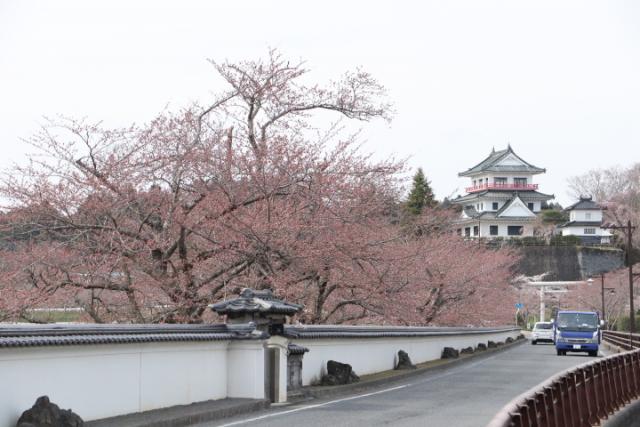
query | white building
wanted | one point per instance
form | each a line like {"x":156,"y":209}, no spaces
{"x":502,"y":200}
{"x":585,"y":221}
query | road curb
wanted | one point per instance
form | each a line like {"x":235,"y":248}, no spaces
{"x":315,"y":392}
{"x":184,"y":415}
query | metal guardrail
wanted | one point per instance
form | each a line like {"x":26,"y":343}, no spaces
{"x":625,"y":340}
{"x":581,"y":396}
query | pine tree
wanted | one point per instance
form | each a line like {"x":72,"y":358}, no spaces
{"x":421,"y":195}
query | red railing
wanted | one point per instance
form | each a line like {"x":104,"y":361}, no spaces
{"x":624,"y":340}
{"x":579,"y":397}
{"x":501,"y":187}
{"x":582,"y":396}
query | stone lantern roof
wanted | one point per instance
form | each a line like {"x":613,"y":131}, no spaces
{"x":252,"y":301}
{"x":256,"y":306}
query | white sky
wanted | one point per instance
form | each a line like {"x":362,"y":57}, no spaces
{"x":559,"y":80}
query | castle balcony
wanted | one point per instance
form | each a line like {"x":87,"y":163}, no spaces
{"x":498,"y":186}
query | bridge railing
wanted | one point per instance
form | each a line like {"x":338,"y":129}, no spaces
{"x":581,"y":396}
{"x":625,"y":340}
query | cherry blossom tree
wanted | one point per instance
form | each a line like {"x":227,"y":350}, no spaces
{"x":152,"y":223}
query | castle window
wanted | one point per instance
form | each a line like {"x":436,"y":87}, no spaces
{"x":530,"y":206}
{"x":494,"y":206}
{"x":514,"y":230}
{"x":589,"y":231}
{"x":493,"y":230}
{"x":467,"y":231}
{"x":520,"y":182}
{"x":475,"y":230}
{"x":500,"y":181}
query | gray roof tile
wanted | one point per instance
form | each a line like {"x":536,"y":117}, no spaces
{"x":491,"y":164}
{"x":330,"y":331}
{"x":44,"y":335}
{"x":253,"y":301}
{"x":585,"y":203}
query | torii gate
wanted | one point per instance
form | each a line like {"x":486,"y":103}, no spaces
{"x":554,"y":287}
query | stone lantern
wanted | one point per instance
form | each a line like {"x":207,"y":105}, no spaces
{"x":269,"y":314}
{"x":260,"y":307}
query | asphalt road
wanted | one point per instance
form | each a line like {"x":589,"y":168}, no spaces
{"x":466,"y":395}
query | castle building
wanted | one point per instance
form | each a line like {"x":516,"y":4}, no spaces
{"x":585,"y":221}
{"x":502,"y":200}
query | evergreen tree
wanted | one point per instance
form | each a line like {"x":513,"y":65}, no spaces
{"x":421,"y":195}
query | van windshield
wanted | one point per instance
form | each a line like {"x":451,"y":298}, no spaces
{"x":577,"y":321}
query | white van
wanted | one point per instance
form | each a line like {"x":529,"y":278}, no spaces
{"x":542,"y":331}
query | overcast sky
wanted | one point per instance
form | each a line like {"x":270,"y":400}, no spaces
{"x":558,"y":80}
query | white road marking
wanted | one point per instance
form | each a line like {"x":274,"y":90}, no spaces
{"x":304,"y":408}
{"x":360,"y":396}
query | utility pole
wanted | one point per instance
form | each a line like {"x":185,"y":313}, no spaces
{"x":629,"y":232}
{"x":542,"y":307}
{"x":602,"y":289}
{"x":602,"y":292}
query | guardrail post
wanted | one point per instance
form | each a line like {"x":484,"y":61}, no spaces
{"x":635,"y":362}
{"x":591,"y":395}
{"x":626,"y":374}
{"x":566,"y":402}
{"x":532,"y":412}
{"x":617,"y":382}
{"x":558,"y":405}
{"x":543,"y":414}
{"x":600,"y":387}
{"x":524,"y":416}
{"x":550,"y":407}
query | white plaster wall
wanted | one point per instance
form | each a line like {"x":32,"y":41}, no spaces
{"x":580,"y":215}
{"x":106,"y":380}
{"x":517,"y":209}
{"x":182,"y":373}
{"x":371,"y":355}
{"x":245,"y":369}
{"x":510,"y":177}
{"x":579,"y":231}
{"x":487,"y":205}
{"x":502,"y":229}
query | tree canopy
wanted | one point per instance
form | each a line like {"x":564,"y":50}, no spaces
{"x":152,"y":223}
{"x":421,"y":196}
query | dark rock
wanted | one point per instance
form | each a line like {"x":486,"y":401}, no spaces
{"x":467,"y":350}
{"x":492,"y":344}
{"x":509,"y":340}
{"x":404,"y":361}
{"x":450,"y":353}
{"x":46,"y":414}
{"x":481,"y":346}
{"x":339,"y":373}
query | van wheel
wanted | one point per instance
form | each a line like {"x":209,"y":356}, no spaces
{"x":560,"y":352}
{"x":534,"y":342}
{"x":593,"y":353}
